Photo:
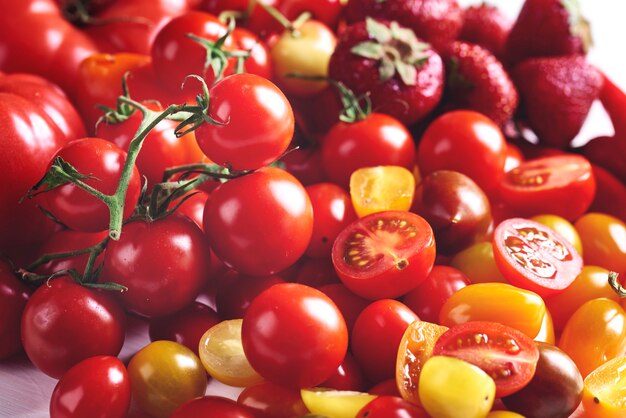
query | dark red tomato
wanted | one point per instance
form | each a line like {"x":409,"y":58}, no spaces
{"x":325,"y":11}
{"x":533,"y":256}
{"x":391,"y":407}
{"x":97,"y":387}
{"x":53,"y":47}
{"x":316,"y":114}
{"x":562,"y":185}
{"x":212,"y":407}
{"x":257,"y":123}
{"x":64,"y":323}
{"x":376,"y":140}
{"x":427,"y":299}
{"x":467,"y":142}
{"x":610,"y":196}
{"x":236,"y":292}
{"x":294,"y":335}
{"x":261,"y":223}
{"x":332,"y":212}
{"x":316,"y":272}
{"x":348,"y":303}
{"x":67,"y":240}
{"x":506,"y":354}
{"x":164,"y":264}
{"x":376,"y":337}
{"x":348,"y":376}
{"x":269,"y":400}
{"x":185,"y":327}
{"x":13,"y":297}
{"x":385,"y":254}
{"x":305,"y":163}
{"x":103,"y":161}
{"x":387,"y":387}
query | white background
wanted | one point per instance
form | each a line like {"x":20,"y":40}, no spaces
{"x":25,"y":392}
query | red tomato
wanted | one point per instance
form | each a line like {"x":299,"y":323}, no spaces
{"x":348,"y":376}
{"x":67,"y":240}
{"x":269,"y":400}
{"x":561,"y":185}
{"x":236,"y":292}
{"x":506,"y":354}
{"x":258,"y":62}
{"x":348,"y":303}
{"x":104,"y":161}
{"x":164,"y":263}
{"x":610,"y":197}
{"x":294,"y":335}
{"x":385,"y":254}
{"x":260,"y":223}
{"x":325,"y":11}
{"x":391,"y":407}
{"x":212,"y":407}
{"x":533,"y":256}
{"x":376,"y":140}
{"x":64,"y":323}
{"x":257,"y":123}
{"x":464,"y":141}
{"x":305,"y":163}
{"x":376,"y":337}
{"x":193,"y":207}
{"x":13,"y":297}
{"x":97,"y":387}
{"x":316,"y":272}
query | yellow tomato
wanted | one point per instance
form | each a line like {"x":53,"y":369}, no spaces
{"x":381,"y":188}
{"x":563,"y":227}
{"x":335,"y":403}
{"x":604,"y":395}
{"x":604,"y":240}
{"x":478,"y":264}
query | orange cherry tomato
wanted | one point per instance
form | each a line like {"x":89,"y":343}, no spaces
{"x":604,"y":240}
{"x":604,"y":395}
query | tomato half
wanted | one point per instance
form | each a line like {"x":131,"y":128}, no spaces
{"x":385,"y":254}
{"x":533,"y":256}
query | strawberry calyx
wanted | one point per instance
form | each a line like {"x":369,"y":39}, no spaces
{"x":579,"y":26}
{"x":396,"y":48}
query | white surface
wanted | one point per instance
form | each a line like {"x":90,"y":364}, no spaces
{"x":25,"y":392}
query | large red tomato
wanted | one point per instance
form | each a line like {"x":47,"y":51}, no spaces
{"x":13,"y":297}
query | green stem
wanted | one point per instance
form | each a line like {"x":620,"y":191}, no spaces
{"x":617,"y":287}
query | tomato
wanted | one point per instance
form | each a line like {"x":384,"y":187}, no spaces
{"x":376,"y":140}
{"x":348,"y":303}
{"x":448,"y":385}
{"x":305,"y":163}
{"x":13,"y":297}
{"x":386,"y":387}
{"x":533,"y":256}
{"x":185,"y":327}
{"x":391,"y":407}
{"x":316,"y":272}
{"x":258,"y":62}
{"x":336,"y":403}
{"x":212,"y":407}
{"x":236,"y":291}
{"x":376,"y":337}
{"x":164,"y":264}
{"x":603,"y":394}
{"x":257,"y":123}
{"x":97,"y":387}
{"x":64,"y":323}
{"x":467,"y":142}
{"x":594,"y":334}
{"x":427,"y":298}
{"x":68,"y":240}
{"x":270,"y":400}
{"x":514,"y":157}
{"x":304,"y":51}
{"x":554,"y":390}
{"x":610,"y":197}
{"x":477,"y":262}
{"x":193,"y":206}
{"x":385,"y":254}
{"x":326,"y":11}
{"x":564,"y":227}
{"x":348,"y":376}
{"x":165,"y":375}
{"x":504,"y":353}
{"x":544,"y":185}
{"x":380,"y":188}
{"x":294,"y":335}
{"x":261,"y":223}
{"x":497,"y":302}
{"x":604,"y":240}
{"x":332,"y":212}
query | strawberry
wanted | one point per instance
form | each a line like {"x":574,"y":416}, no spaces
{"x":403,"y":76}
{"x":546,"y":28}
{"x":557,"y":93}
{"x":435,"y":21}
{"x":487,"y":26}
{"x":477,"y":80}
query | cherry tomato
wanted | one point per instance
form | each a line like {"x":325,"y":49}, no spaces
{"x":64,"y":323}
{"x":258,"y":62}
{"x":386,"y":387}
{"x":336,"y":403}
{"x":478,"y":263}
{"x":305,"y":163}
{"x":193,"y":206}
{"x":385,"y":254}
{"x":67,"y":240}
{"x":261,"y":223}
{"x":212,"y":407}
{"x":294,"y":335}
{"x":533,"y":256}
{"x":603,"y":394}
{"x":97,"y":387}
{"x":381,"y":188}
{"x":610,"y":197}
{"x":348,"y":303}
{"x":376,"y":337}
{"x":270,"y":400}
{"x":316,"y":272}
{"x":235,"y":293}
{"x":348,"y":376}
{"x":391,"y":407}
{"x":604,"y":240}
{"x":13,"y":297}
{"x":564,"y":227}
{"x":326,"y":11}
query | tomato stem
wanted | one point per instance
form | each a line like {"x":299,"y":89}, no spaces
{"x":289,"y":26}
{"x":617,"y":287}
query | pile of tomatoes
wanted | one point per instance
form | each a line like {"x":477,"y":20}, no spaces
{"x":285,"y":192}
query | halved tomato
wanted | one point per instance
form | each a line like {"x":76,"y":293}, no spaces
{"x":504,"y":353}
{"x":385,"y":254}
{"x":561,"y":185}
{"x":533,"y":256}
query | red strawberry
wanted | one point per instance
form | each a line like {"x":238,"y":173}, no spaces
{"x":546,"y":28}
{"x":435,"y":21}
{"x":557,"y":94}
{"x":487,"y":26}
{"x":477,"y":80}
{"x":403,"y":76}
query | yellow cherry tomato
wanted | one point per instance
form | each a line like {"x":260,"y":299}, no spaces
{"x":604,"y":240}
{"x":381,"y":188}
{"x":546,"y":332}
{"x":335,"y":403}
{"x":604,"y":395}
{"x":504,"y":414}
{"x":563,"y":227}
{"x":478,"y":264}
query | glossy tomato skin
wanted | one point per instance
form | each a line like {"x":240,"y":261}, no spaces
{"x":467,"y":142}
{"x":212,"y":407}
{"x":13,"y":297}
{"x":103,"y":160}
{"x":164,"y":264}
{"x":97,"y":387}
{"x":269,"y":400}
{"x":261,"y":223}
{"x":348,"y":376}
{"x":308,"y":345}
{"x":604,"y":240}
{"x":64,"y":323}
{"x":391,"y":407}
{"x":348,"y":303}
{"x":257,"y":123}
{"x":235,"y":292}
{"x":376,"y":140}
{"x":67,"y":240}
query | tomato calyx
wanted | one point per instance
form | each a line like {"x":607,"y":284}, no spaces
{"x":615,"y":285}
{"x":290,"y":26}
